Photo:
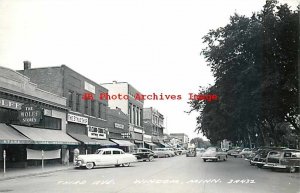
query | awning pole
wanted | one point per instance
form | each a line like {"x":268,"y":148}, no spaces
{"x":42,"y":159}
{"x":4,"y":162}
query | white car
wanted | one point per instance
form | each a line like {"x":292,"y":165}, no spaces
{"x":105,"y":157}
{"x":214,"y":154}
{"x":163,"y":152}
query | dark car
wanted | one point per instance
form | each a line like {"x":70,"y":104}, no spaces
{"x":144,"y":154}
{"x":260,"y":158}
{"x":288,"y":159}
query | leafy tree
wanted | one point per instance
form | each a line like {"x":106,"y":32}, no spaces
{"x":255,"y":65}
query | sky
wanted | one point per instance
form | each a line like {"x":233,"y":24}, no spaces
{"x":154,"y":45}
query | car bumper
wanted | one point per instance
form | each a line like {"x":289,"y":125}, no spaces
{"x":209,"y":157}
{"x":79,"y":163}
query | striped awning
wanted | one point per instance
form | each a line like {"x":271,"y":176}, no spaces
{"x":9,"y":135}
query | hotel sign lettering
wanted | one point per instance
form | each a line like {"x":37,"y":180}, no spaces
{"x":30,"y":114}
{"x":10,"y":104}
{"x":78,"y":119}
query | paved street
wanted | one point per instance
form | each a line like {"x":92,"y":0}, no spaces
{"x":177,"y":175}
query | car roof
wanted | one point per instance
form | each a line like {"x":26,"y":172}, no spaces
{"x":110,"y":148}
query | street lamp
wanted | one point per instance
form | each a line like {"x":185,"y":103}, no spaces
{"x":256,"y":135}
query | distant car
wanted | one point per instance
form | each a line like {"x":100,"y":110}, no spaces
{"x":144,"y":154}
{"x":105,"y":157}
{"x":163,"y":152}
{"x":200,"y":151}
{"x":191,"y":152}
{"x":214,"y":154}
{"x":234,"y":151}
{"x":288,"y":159}
{"x":245,"y":152}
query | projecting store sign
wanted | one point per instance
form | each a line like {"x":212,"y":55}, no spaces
{"x":30,"y":114}
{"x":78,"y":119}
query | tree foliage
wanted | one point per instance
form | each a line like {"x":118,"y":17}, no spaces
{"x":255,"y":64}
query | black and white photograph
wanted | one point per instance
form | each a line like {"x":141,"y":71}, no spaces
{"x":149,"y":96}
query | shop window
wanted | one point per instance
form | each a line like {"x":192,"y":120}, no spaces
{"x":50,"y":123}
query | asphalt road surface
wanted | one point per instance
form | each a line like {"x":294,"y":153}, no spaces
{"x":175,"y":175}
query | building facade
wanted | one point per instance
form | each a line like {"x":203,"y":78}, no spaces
{"x":182,"y":137}
{"x":87,"y":114}
{"x":32,"y":123}
{"x":122,"y":95}
{"x":154,"y":122}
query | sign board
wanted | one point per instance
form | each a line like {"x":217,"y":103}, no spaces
{"x":89,"y":87}
{"x":96,"y":132}
{"x":120,"y":126}
{"x":78,"y":119}
{"x":10,"y":104}
{"x":30,"y":114}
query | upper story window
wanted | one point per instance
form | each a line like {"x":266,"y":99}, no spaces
{"x":93,"y":107}
{"x":86,"y":106}
{"x":70,"y":99}
{"x":78,"y":98}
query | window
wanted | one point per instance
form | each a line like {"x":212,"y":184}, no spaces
{"x":116,"y":152}
{"x":86,"y":106}
{"x":78,"y":97}
{"x":70,"y":99}
{"x":99,"y":110}
{"x":130,"y":113}
{"x":93,"y":107}
{"x":107,"y":153}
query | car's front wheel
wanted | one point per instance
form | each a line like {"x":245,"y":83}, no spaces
{"x":90,"y":165}
{"x":150,"y":158}
{"x":204,"y":160}
{"x":126,"y":164}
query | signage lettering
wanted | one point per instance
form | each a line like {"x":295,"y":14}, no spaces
{"x":78,"y":119}
{"x":30,"y":114}
{"x":10,"y":104}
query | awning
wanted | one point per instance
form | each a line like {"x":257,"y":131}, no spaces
{"x":151,"y":144}
{"x":46,"y":136}
{"x":122,"y":142}
{"x":8,"y":135}
{"x":84,"y":139}
{"x":138,"y":141}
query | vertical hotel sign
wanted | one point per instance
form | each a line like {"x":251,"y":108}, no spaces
{"x":30,"y":114}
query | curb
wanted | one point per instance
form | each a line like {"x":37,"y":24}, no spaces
{"x":3,"y":178}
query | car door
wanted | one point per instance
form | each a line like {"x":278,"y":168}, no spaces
{"x":106,"y":158}
{"x":117,"y":157}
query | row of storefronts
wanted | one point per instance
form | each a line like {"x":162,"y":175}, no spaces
{"x":43,"y":116}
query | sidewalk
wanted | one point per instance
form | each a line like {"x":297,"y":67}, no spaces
{"x":13,"y":173}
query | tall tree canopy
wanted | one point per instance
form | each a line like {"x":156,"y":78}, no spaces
{"x":255,"y":64}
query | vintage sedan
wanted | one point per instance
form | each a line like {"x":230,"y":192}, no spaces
{"x":144,"y":154}
{"x":288,"y":159}
{"x":105,"y":157}
{"x":214,"y":154}
{"x":163,"y":152}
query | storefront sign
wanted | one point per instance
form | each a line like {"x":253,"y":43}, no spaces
{"x":30,"y":114}
{"x":120,"y":126}
{"x":138,"y":130}
{"x":89,"y":87}
{"x":10,"y":104}
{"x":147,"y":138}
{"x":78,"y":119}
{"x":96,"y":132}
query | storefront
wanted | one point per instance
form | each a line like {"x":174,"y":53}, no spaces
{"x":91,"y":137}
{"x":32,"y":121}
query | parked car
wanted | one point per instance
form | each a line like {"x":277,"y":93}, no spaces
{"x":191,"y":152}
{"x":181,"y":151}
{"x":214,"y":154}
{"x":260,"y":158}
{"x":234,"y":151}
{"x":105,"y":157}
{"x":245,"y":152}
{"x":163,"y":152}
{"x":144,"y":154}
{"x":200,"y":151}
{"x":288,"y":159}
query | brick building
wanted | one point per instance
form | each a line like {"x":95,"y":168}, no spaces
{"x":86,"y":119}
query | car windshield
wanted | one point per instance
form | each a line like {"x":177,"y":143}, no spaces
{"x":274,"y":154}
{"x":211,"y":149}
{"x":99,"y":151}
